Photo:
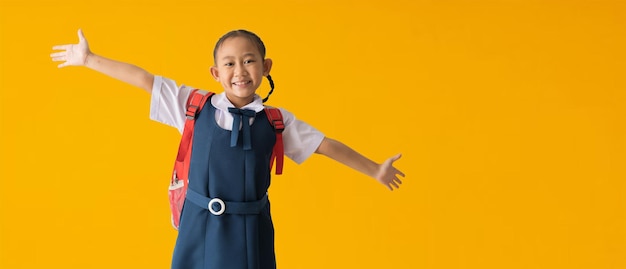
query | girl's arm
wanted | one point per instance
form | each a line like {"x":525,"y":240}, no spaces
{"x":80,"y":55}
{"x":384,"y":173}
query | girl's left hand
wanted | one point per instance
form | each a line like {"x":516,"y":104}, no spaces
{"x":388,"y":175}
{"x":72,"y":54}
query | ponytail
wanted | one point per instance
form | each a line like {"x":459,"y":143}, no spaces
{"x":269,"y":78}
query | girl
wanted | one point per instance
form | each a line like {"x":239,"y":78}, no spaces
{"x":225,"y":164}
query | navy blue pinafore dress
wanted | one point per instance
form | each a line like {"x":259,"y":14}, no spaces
{"x":234,"y":167}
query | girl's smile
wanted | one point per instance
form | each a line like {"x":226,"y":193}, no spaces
{"x":242,"y":83}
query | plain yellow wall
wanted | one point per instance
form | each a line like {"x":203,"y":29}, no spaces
{"x":510,"y":115}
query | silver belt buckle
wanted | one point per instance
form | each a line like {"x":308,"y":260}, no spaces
{"x":222,"y":206}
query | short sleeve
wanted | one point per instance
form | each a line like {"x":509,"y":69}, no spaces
{"x":168,"y":101}
{"x":300,"y":139}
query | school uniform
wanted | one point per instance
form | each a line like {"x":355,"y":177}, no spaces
{"x":234,"y":166}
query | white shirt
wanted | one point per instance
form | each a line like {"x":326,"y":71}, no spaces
{"x":168,"y":102}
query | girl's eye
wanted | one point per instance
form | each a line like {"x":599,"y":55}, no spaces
{"x":248,"y":61}
{"x":228,"y":64}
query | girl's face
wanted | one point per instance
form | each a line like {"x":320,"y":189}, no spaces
{"x":240,"y":69}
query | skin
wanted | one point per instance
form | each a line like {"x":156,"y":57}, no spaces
{"x":240,"y":69}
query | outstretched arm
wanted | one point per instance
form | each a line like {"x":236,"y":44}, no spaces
{"x":384,"y":173}
{"x":80,"y":55}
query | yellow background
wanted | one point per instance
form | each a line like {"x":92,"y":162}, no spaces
{"x":510,"y":115}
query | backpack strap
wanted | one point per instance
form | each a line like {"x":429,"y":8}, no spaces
{"x":275,"y":118}
{"x":195,"y":102}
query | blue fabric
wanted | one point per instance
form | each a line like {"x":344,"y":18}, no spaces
{"x":228,"y":241}
{"x":253,"y":207}
{"x":239,"y":116}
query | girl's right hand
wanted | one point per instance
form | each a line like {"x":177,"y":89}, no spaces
{"x":72,"y":54}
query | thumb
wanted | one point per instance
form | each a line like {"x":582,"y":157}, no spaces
{"x":396,"y":157}
{"x":391,"y":160}
{"x":81,"y":37}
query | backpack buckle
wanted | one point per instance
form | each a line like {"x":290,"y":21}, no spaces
{"x":192,"y":110}
{"x":279,"y":126}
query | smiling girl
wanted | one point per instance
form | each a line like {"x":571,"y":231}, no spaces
{"x":224,"y":164}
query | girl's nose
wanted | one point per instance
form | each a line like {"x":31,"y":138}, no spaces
{"x":240,"y":70}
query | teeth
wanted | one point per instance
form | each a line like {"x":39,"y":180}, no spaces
{"x":241,"y":83}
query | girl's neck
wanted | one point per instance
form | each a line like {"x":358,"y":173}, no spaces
{"x":240,"y":102}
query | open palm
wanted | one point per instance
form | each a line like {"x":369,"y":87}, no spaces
{"x":388,"y":175}
{"x":72,"y":54}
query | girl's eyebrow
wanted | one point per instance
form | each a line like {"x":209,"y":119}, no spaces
{"x":245,"y":55}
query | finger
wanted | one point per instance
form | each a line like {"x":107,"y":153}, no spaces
{"x":58,"y":59}
{"x":400,"y":173}
{"x":62,"y":65}
{"x":396,"y":157}
{"x":62,"y":47}
{"x":58,"y":54}
{"x":397,"y":180}
{"x":81,"y":36}
{"x":394,"y":184}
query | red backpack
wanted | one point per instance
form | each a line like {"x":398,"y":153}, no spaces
{"x":180,"y":175}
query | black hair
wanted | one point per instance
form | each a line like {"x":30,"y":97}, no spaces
{"x":254,"y":39}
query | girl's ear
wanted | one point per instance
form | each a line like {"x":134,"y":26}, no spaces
{"x":215,"y":73}
{"x":267,"y":66}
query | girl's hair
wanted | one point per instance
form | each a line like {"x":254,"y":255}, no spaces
{"x":255,"y":40}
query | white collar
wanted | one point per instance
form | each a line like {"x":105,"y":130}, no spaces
{"x":220,"y":102}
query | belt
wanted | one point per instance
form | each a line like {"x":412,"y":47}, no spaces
{"x":218,"y":207}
